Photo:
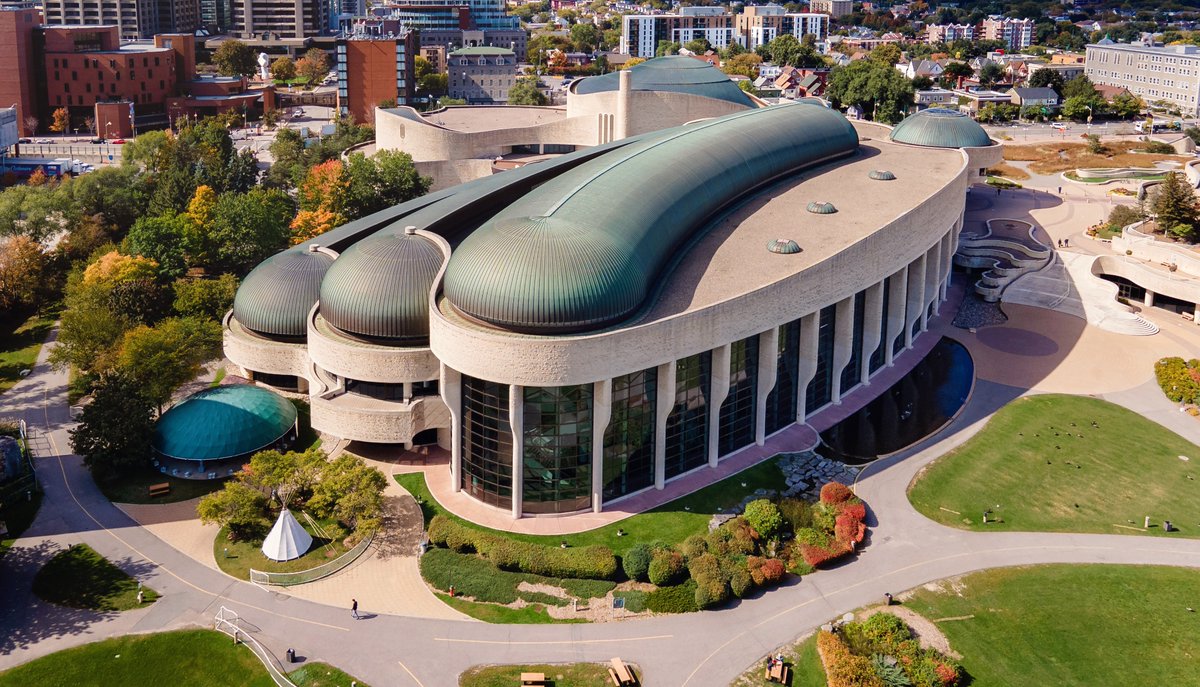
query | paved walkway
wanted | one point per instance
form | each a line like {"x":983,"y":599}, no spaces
{"x":711,"y":648}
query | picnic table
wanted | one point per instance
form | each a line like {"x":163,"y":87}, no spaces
{"x":620,"y":673}
{"x":533,"y":678}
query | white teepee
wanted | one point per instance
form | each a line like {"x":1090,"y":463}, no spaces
{"x":287,"y":539}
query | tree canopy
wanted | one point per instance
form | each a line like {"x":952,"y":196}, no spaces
{"x":234,"y":58}
{"x":526,"y":92}
{"x":879,"y":90}
{"x":116,"y":430}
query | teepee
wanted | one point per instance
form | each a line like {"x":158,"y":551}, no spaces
{"x":287,"y":539}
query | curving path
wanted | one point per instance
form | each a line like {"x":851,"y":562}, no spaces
{"x":710,"y":648}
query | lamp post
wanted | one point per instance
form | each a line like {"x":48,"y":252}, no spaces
{"x":106,"y":128}
{"x":1089,"y":119}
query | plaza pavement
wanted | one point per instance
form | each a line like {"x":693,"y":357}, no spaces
{"x":711,"y":648}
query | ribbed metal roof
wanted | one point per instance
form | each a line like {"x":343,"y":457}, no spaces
{"x":224,"y":422}
{"x":675,"y":73}
{"x":274,"y":299}
{"x":379,"y":287}
{"x":941,"y":128}
{"x":587,"y":247}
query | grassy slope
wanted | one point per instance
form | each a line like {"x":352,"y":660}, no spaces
{"x":534,"y":614}
{"x":1118,"y":473}
{"x":81,"y":578}
{"x":19,"y":346}
{"x":570,"y":675}
{"x":1071,"y":625}
{"x":672,"y":522}
{"x":1045,"y":158}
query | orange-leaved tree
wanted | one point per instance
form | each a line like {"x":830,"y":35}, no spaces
{"x":322,"y":196}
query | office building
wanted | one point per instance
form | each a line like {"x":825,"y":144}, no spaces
{"x":834,"y":8}
{"x":1154,"y":73}
{"x":375,"y":71}
{"x":279,"y":20}
{"x":134,"y":19}
{"x":760,"y":24}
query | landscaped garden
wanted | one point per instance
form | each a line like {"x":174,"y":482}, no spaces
{"x":679,"y":566}
{"x":559,"y":675}
{"x":1055,"y":157}
{"x":79,"y":577}
{"x":1057,"y":463}
{"x":1069,"y":625}
{"x":196,"y":658}
{"x":803,"y":660}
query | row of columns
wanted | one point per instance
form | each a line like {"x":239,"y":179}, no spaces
{"x":914,"y":290}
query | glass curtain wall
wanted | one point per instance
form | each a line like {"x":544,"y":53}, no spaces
{"x":781,"y":402}
{"x":852,"y":372}
{"x":820,"y":388}
{"x":486,"y":442}
{"x":736,"y":428}
{"x":629,"y":438}
{"x":558,"y":449}
{"x":687,"y":425}
{"x":877,"y":356}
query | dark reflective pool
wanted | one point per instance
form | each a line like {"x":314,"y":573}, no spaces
{"x":912,"y":409}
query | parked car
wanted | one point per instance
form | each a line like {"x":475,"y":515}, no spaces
{"x":43,"y":141}
{"x":1058,"y":125}
{"x":24,"y":140}
{"x":118,"y":141}
{"x":98,"y":141}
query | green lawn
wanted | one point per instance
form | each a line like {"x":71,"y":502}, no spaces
{"x":534,"y":614}
{"x":81,"y":578}
{"x":134,"y":487}
{"x":195,"y":658}
{"x":1070,"y":625}
{"x":672,"y":522}
{"x":804,"y":661}
{"x":569,"y":675}
{"x":236,"y":558}
{"x":18,"y":516}
{"x":19,"y":345}
{"x":1032,"y":469}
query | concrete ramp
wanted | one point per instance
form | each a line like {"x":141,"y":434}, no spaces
{"x":1067,"y":285}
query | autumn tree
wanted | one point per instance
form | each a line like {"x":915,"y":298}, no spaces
{"x":313,"y":66}
{"x":21,"y":273}
{"x":113,"y":267}
{"x":60,"y":121}
{"x":234,"y":58}
{"x":283,"y":69}
{"x":744,"y":64}
{"x":164,"y":357}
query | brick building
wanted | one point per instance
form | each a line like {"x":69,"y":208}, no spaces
{"x":17,"y":56}
{"x":371,"y":71}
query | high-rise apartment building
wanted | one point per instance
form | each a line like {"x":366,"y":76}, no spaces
{"x":834,"y":8}
{"x":945,"y":33}
{"x":1151,"y":72}
{"x":216,"y":16}
{"x":273,"y":20}
{"x":640,"y":34}
{"x":17,"y":57}
{"x":446,"y":23}
{"x":134,"y":19}
{"x":375,"y":71}
{"x":1017,"y":33}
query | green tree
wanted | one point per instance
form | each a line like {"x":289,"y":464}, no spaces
{"x":160,"y":238}
{"x":698,"y":46}
{"x":990,"y":75}
{"x":1079,"y":107}
{"x":351,"y":491}
{"x":764,"y":517}
{"x":381,"y":181}
{"x":667,"y":48}
{"x":239,"y":507}
{"x":284,"y":69}
{"x":888,"y":53}
{"x":89,"y":333}
{"x":116,"y":429}
{"x":162,"y":358}
{"x":585,"y":37}
{"x":1126,"y":105}
{"x":248,"y":228}
{"x":954,"y":71}
{"x":879,"y":90}
{"x":1047,"y":78}
{"x":285,"y":474}
{"x":234,"y":58}
{"x":921,"y":83}
{"x":205,"y":298}
{"x":1174,"y":207}
{"x":22,"y":264}
{"x":116,"y":193}
{"x":744,"y":64}
{"x":1079,"y":87}
{"x":139,"y":301}
{"x":786,"y":50}
{"x":526,"y":92}
{"x":433,"y":84}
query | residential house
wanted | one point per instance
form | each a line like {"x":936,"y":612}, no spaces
{"x":926,"y":68}
{"x":935,"y":97}
{"x":1045,"y":98}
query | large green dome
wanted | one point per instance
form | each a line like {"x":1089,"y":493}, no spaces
{"x":224,"y":422}
{"x":941,"y":128}
{"x":379,"y":287}
{"x":675,"y":73}
{"x":274,"y":299}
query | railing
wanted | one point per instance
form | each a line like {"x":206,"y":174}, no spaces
{"x":28,"y":481}
{"x":229,"y":622}
{"x":289,"y":579}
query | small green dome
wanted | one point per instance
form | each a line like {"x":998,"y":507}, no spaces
{"x":818,"y":208}
{"x":274,"y":299}
{"x":783,"y":246}
{"x":941,"y":128}
{"x":881,"y":175}
{"x":225,"y":422}
{"x":379,"y":287}
{"x":672,"y":73}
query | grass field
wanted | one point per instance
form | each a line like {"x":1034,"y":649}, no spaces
{"x":19,"y":345}
{"x":1034,"y":471}
{"x":81,"y":578}
{"x":1008,"y":172}
{"x":569,"y":675}
{"x":1051,"y":158}
{"x":134,"y":487}
{"x":533,"y":614}
{"x":195,"y":658}
{"x":672,"y":522}
{"x":804,"y":661}
{"x":236,"y":558}
{"x":1071,"y":625}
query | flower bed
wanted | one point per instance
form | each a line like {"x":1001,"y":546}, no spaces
{"x":881,"y":651}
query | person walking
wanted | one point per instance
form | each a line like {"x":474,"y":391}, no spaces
{"x":354,"y":608}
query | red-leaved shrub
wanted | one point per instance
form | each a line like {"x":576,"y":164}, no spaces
{"x":856,"y":510}
{"x":835,"y":492}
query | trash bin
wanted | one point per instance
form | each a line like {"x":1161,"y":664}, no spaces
{"x":1167,"y":526}
{"x":291,"y":655}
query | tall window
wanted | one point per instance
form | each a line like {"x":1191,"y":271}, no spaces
{"x":687,"y":425}
{"x":558,"y":449}
{"x":487,"y":442}
{"x":852,"y":372}
{"x":877,"y":356}
{"x":898,"y":341}
{"x":736,"y":428}
{"x":629,"y":439}
{"x":820,"y":388}
{"x":781,"y":402}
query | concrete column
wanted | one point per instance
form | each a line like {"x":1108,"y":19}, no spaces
{"x":666,"y":401}
{"x":624,"y":94}
{"x":407,"y":390}
{"x":601,"y":414}
{"x":948,"y":259}
{"x":719,"y":386}
{"x":872,"y":329}
{"x":768,"y":370}
{"x":807,"y":369}
{"x":931,"y":279}
{"x":916,"y":296}
{"x":516,"y":418}
{"x":897,"y":298}
{"x":843,"y":344}
{"x":1149,"y":299}
{"x":450,"y":386}
{"x":1196,"y":314}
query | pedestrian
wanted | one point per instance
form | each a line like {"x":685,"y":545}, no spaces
{"x":1060,"y":243}
{"x":997,"y":190}
{"x":141,"y":597}
{"x":354,"y":608}
{"x":1067,"y":242}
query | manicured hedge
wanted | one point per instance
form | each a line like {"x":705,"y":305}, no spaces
{"x":588,"y":562}
{"x":678,"y":599}
{"x":476,"y":578}
{"x":1179,"y":380}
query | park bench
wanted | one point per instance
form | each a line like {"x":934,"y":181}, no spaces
{"x":533,"y":678}
{"x":161,"y":489}
{"x":620,"y":673}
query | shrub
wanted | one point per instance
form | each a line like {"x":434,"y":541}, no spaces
{"x":773,"y":571}
{"x":817,"y":556}
{"x":1159,"y":148}
{"x":636,"y":561}
{"x":836,"y":492}
{"x":764,"y":517}
{"x":694,"y":546}
{"x":1177,"y":380}
{"x":666,"y":567}
{"x":885,"y":630}
{"x":678,"y":599}
{"x":477,"y":578}
{"x":740,"y":583}
{"x":813,"y":537}
{"x":848,"y":529}
{"x":888,"y":671}
{"x":825,"y":516}
{"x":712,"y":586}
{"x":842,"y":668}
{"x":855,"y":509}
{"x":589,"y":562}
{"x":796,"y":513}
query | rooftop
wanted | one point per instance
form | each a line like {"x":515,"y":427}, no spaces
{"x":482,"y":50}
{"x":675,"y":73}
{"x":491,"y":117}
{"x":224,"y":422}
